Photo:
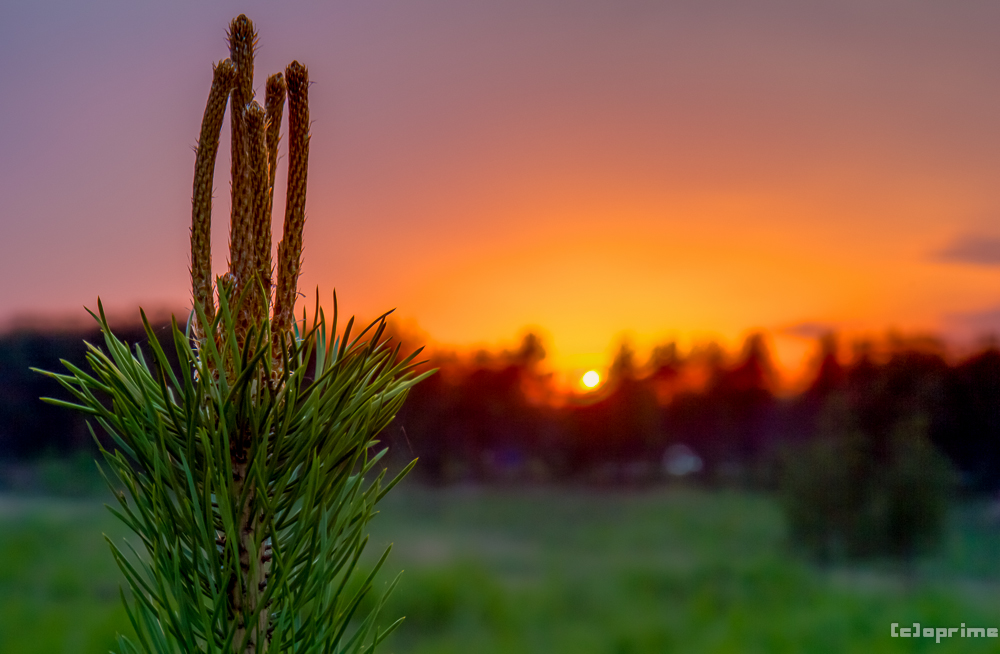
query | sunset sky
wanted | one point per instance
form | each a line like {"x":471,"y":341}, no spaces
{"x":592,"y":170}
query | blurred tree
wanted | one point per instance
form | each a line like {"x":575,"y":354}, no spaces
{"x":830,"y":375}
{"x":845,"y":498}
{"x":623,"y":366}
{"x":967,"y":424}
{"x":743,"y":401}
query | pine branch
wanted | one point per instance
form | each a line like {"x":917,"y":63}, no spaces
{"x":246,"y":471}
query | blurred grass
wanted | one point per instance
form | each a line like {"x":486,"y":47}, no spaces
{"x":553,"y":570}
{"x":58,"y":583}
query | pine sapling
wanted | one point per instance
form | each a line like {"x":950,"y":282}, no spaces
{"x":249,"y":469}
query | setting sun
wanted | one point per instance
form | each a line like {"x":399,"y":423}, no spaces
{"x":591,"y":379}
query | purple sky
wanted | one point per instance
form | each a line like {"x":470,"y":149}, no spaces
{"x":662,"y":170}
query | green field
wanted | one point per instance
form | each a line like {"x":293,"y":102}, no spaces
{"x":554,"y":570}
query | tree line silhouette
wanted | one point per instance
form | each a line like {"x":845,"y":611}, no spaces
{"x":498,"y":416}
{"x":490,"y":419}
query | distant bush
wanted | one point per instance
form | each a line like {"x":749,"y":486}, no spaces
{"x":855,"y":495}
{"x":62,"y":476}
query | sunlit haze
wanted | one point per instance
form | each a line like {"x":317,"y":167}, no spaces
{"x":591,"y":171}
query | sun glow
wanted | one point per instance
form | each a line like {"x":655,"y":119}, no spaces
{"x":591,"y":379}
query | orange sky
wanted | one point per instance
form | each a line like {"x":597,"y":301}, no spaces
{"x":592,"y":170}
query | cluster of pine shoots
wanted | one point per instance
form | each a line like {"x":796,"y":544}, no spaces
{"x":245,"y":462}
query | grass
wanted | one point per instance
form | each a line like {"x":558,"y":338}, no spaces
{"x":58,"y":584}
{"x":553,"y":570}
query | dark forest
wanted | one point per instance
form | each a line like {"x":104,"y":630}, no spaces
{"x":707,"y":414}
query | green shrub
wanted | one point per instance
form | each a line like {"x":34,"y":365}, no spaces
{"x":853,"y":496}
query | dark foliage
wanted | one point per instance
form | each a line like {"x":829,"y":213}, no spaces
{"x":846,"y":494}
{"x":29,"y":428}
{"x":493,"y":418}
